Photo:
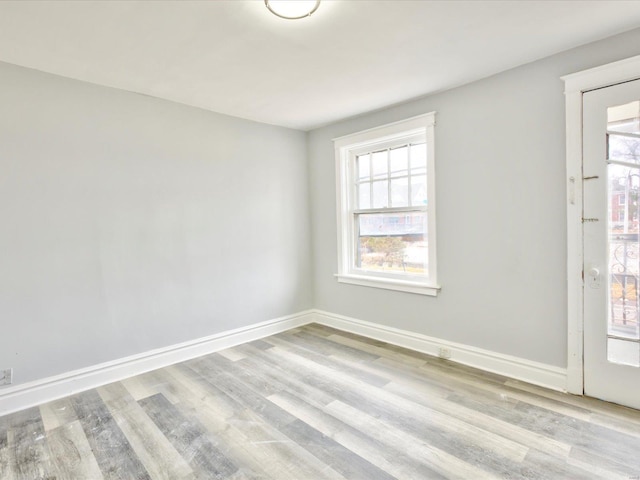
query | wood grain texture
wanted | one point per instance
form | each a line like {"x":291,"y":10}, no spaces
{"x":190,"y":439}
{"x":152,"y":447}
{"x":317,"y":403}
{"x":28,"y":446}
{"x":71,"y":453}
{"x":116,"y":458}
{"x":6,"y":472}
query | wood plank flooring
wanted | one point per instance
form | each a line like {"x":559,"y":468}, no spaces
{"x":318,"y":403}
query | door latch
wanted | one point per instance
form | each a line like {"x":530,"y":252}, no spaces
{"x":593,"y":277}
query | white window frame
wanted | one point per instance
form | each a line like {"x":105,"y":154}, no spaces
{"x":346,"y":149}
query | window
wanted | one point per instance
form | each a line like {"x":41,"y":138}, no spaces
{"x":386,"y":201}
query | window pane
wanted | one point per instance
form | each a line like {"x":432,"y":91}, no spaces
{"x":400,"y":192}
{"x":624,"y":248}
{"x":624,"y":118}
{"x":380,"y":194}
{"x":419,"y":159}
{"x":623,"y":148}
{"x":624,"y":269}
{"x":393,"y":242}
{"x":379,"y":161}
{"x":399,"y":159}
{"x":363,"y":166}
{"x":419,"y":190}
{"x":364,"y":195}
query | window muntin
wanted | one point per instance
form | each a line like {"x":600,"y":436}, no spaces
{"x":387,"y":207}
{"x":398,"y":177}
{"x":392,"y":178}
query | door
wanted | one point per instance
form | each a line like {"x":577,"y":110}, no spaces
{"x":611,"y":184}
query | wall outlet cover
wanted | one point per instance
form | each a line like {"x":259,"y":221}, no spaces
{"x":444,"y":352}
{"x":6,"y":376}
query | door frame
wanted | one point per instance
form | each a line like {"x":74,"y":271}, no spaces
{"x":576,"y":84}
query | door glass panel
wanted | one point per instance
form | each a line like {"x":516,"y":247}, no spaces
{"x":624,"y":118}
{"x":624,"y":148}
{"x":623,"y":145}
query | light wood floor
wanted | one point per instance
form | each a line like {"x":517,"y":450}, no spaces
{"x":317,"y":403}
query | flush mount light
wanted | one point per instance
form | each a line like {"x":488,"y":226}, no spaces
{"x":292,"y":9}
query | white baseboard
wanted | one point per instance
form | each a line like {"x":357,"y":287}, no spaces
{"x":536,"y":373}
{"x":45,"y":390}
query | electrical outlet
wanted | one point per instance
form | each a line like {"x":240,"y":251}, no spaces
{"x":444,"y":352}
{"x":6,"y":376}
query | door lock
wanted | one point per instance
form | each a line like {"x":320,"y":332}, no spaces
{"x":593,"y":277}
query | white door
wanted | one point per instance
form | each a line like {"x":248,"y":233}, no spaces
{"x":611,"y":171}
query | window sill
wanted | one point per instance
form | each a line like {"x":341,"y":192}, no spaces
{"x":389,"y":284}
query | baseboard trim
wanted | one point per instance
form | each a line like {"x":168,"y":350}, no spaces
{"x":536,"y":373}
{"x":45,"y":390}
{"x":30,"y":394}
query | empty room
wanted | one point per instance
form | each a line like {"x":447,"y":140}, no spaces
{"x":319,"y":239}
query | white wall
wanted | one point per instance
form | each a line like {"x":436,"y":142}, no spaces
{"x":129,"y":223}
{"x":500,"y":162}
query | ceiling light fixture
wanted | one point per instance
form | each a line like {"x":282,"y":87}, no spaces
{"x":292,"y":9}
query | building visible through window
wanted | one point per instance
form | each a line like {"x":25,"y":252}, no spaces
{"x":387,"y":215}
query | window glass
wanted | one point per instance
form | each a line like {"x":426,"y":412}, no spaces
{"x":380,"y":166}
{"x":418,"y":190}
{"x":399,"y":161}
{"x":364,"y":195}
{"x":419,"y":159}
{"x":380,"y":194}
{"x":386,"y":230}
{"x":363,"y":166}
{"x":393,"y":242}
{"x":400,"y":192}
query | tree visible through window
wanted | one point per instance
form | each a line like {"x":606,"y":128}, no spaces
{"x":392,"y":179}
{"x":387,"y":228}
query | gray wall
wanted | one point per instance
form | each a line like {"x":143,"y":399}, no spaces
{"x":500,"y":173}
{"x":130,"y":223}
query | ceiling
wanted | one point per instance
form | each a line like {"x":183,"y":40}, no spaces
{"x":350,"y":57}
